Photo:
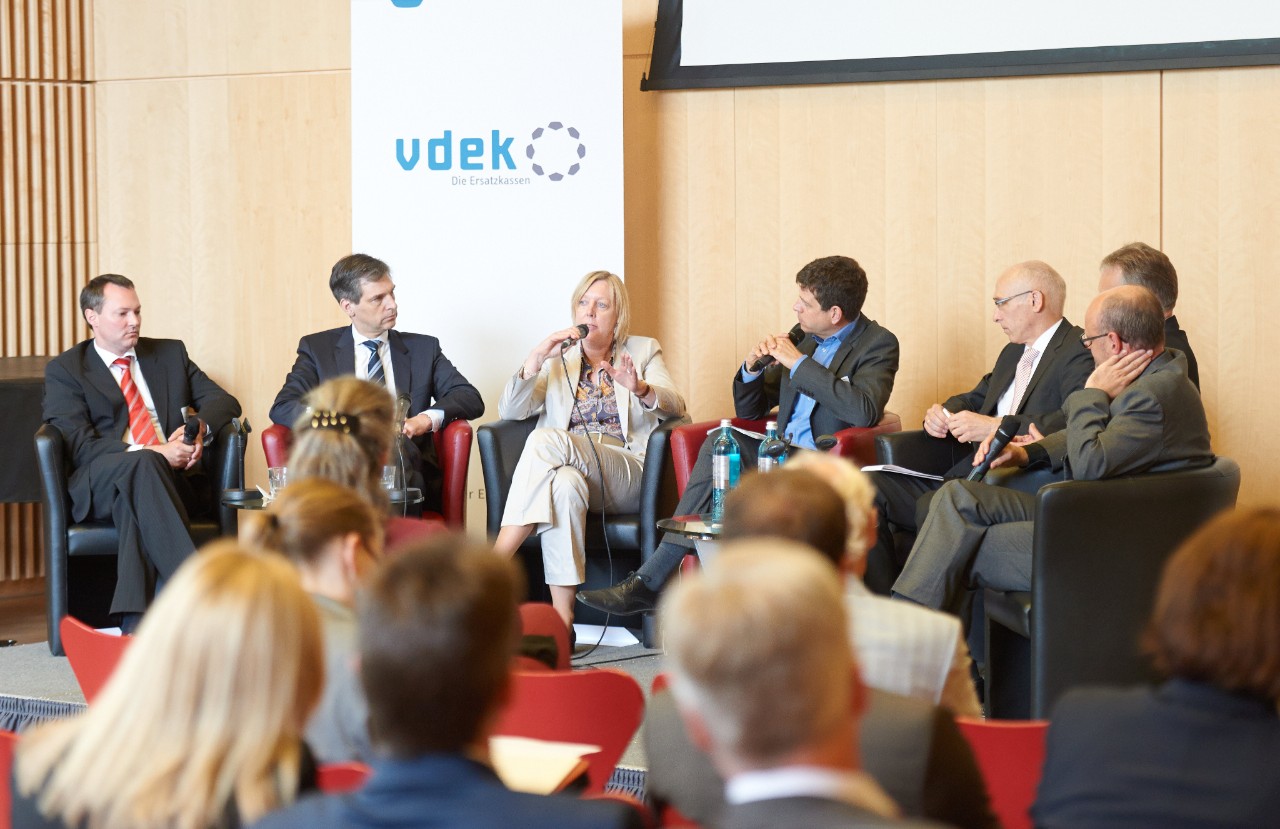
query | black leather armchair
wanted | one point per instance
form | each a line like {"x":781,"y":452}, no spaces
{"x":80,"y":566}
{"x":632,"y":537}
{"x":1098,"y":550}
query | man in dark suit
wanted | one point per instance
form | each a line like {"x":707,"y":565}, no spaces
{"x":411,"y":366}
{"x":1140,"y":264}
{"x":1041,"y":365}
{"x":837,"y":374}
{"x":763,"y":675}
{"x":438,"y":629}
{"x":1138,"y":412}
{"x":121,"y":402}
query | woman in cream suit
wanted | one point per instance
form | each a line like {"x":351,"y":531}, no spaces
{"x":597,"y":401}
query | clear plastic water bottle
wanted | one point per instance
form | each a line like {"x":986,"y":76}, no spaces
{"x":726,"y":465}
{"x":766,"y":463}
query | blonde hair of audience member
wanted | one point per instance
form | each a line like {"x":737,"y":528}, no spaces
{"x":352,"y":458}
{"x":327,"y":530}
{"x":206,"y":707}
{"x":621,"y":303}
{"x":439,"y":624}
{"x":760,"y":659}
{"x":858,"y":494}
{"x":1217,"y":609}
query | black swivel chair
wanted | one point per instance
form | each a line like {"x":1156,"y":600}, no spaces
{"x":1098,"y":550}
{"x":80,"y":559}
{"x":631,"y":537}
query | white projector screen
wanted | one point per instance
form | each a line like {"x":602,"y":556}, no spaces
{"x":708,"y":43}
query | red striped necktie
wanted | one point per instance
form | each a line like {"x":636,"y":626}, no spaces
{"x":141,"y":429}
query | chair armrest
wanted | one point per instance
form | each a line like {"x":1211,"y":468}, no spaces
{"x":225,"y":462}
{"x":501,"y":443}
{"x":858,"y":443}
{"x":276,"y":442}
{"x":686,"y":442}
{"x":658,"y":495}
{"x":453,"y":448}
{"x":1024,"y":480}
{"x":917,"y":449}
{"x":52,"y":463}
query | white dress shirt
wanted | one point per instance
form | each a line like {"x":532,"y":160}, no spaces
{"x":852,"y":787}
{"x":1005,"y":403}
{"x":140,"y":382}
{"x":389,"y":373}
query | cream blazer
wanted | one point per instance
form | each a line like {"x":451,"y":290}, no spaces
{"x":550,"y":395}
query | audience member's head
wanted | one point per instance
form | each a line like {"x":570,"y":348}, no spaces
{"x":345,"y":434}
{"x":327,"y":530}
{"x":205,"y":709}
{"x":789,"y":504}
{"x":1140,"y":264}
{"x":836,"y":281}
{"x":1217,"y":609}
{"x":439,"y":625}
{"x":760,"y":659}
{"x":857,"y":492}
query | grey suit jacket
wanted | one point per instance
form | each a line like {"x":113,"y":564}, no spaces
{"x":83,"y":400}
{"x":807,"y":812}
{"x":912,"y":748}
{"x":419,"y":365}
{"x":1154,"y":425}
{"x":852,"y":391}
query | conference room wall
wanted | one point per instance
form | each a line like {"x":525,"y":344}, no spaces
{"x":224,"y":189}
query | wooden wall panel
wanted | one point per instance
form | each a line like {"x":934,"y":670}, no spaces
{"x":47,"y":219}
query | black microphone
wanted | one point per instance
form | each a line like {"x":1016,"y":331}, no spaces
{"x":569,"y":341}
{"x":766,"y":360}
{"x":402,"y":410}
{"x":191,"y":429}
{"x":1004,"y":433}
{"x":826,"y":442}
{"x":775,"y":447}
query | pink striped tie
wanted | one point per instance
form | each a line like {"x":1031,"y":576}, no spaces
{"x":141,"y":429}
{"x":1023,"y":377}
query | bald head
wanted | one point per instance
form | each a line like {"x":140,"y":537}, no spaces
{"x":1130,"y":312}
{"x":1030,"y":297}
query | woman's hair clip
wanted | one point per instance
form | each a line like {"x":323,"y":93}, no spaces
{"x":347,"y":424}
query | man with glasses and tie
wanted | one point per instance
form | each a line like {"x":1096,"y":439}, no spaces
{"x":409,"y":365}
{"x":1042,"y":364}
{"x":1138,"y":412}
{"x":121,"y":402}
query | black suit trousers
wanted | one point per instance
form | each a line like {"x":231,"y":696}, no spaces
{"x":900,"y":503}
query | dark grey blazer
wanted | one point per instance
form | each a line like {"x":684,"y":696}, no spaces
{"x":852,"y":391}
{"x":83,"y":400}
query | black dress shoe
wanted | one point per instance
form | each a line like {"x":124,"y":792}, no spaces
{"x":626,"y":598}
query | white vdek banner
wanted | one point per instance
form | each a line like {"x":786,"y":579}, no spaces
{"x":487,"y":165}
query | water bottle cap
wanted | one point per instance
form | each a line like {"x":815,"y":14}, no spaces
{"x":770,"y":424}
{"x":726,"y":422}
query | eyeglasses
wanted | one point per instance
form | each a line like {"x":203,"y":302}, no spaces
{"x":1002,"y":300}
{"x":1084,"y":341}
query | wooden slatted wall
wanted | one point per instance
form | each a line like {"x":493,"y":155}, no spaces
{"x":47,"y":219}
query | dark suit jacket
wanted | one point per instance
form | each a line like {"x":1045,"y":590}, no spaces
{"x":913,"y":750}
{"x":809,"y":812}
{"x":1155,"y":424}
{"x":1185,"y":754}
{"x":83,"y":400}
{"x":419,"y":365}
{"x":445,"y":790}
{"x":852,"y":391}
{"x":1175,"y":337}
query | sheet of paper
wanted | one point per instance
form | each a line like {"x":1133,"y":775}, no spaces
{"x":537,"y":766}
{"x":615,"y":636}
{"x":901,"y":470}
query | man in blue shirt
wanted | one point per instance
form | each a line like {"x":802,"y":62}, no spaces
{"x":833,"y":371}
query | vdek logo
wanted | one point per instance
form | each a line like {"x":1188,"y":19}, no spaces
{"x":554,"y":152}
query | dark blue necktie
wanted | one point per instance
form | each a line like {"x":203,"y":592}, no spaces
{"x":375,"y":372}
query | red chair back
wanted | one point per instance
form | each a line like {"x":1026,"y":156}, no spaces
{"x":8,"y":745}
{"x":1011,"y":756}
{"x":453,"y":450}
{"x":539,"y":619}
{"x":340,"y":778}
{"x":600,"y":706}
{"x":93,"y":655}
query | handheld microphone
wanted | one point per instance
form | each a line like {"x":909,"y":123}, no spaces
{"x":190,"y":430}
{"x":569,"y":341}
{"x":766,"y":360}
{"x":1004,"y":433}
{"x":402,"y":410}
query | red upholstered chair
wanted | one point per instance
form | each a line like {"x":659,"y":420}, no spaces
{"x":539,"y":619}
{"x":1011,"y":756}
{"x":453,"y":449}
{"x":340,"y":778}
{"x":93,"y":655}
{"x":8,"y":745}
{"x":598,"y":706}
